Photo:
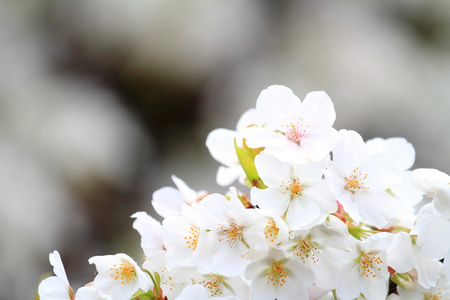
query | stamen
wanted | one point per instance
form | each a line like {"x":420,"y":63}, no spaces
{"x":123,"y":272}
{"x":369,"y":265}
{"x":232,"y":233}
{"x":295,"y":130}
{"x":271,"y":231}
{"x":293,"y":187}
{"x":277,"y":275}
{"x":355,"y":182}
{"x":306,"y":250}
{"x":192,"y":238}
{"x":213,"y":283}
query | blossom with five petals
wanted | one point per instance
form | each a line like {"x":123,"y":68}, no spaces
{"x":292,"y":130}
{"x":295,"y":190}
{"x":119,"y":276}
{"x":360,"y":181}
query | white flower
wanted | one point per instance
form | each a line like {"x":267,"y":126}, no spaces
{"x":360,"y":181}
{"x":404,"y":255}
{"x":432,"y":230}
{"x":56,"y":287}
{"x":171,"y":283}
{"x":119,"y":276}
{"x":219,"y":286}
{"x":293,"y":131}
{"x":404,"y":195}
{"x":299,"y":189}
{"x":182,"y":238}
{"x":276,"y":230}
{"x":232,"y":231}
{"x":276,"y":276}
{"x":367,"y":271}
{"x":167,"y":201}
{"x":321,"y":249}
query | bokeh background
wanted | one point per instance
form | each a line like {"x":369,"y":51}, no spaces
{"x":102,"y":101}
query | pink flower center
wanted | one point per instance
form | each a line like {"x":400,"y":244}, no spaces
{"x":295,"y":130}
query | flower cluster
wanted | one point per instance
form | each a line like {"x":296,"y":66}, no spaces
{"x":317,"y":214}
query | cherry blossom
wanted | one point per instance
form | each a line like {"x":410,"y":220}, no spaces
{"x":292,"y":130}
{"x":360,"y":181}
{"x":297,"y":190}
{"x":119,"y":276}
{"x":276,"y":276}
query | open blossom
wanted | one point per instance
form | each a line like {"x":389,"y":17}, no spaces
{"x":433,"y":222}
{"x":404,"y":255}
{"x":232,"y":231}
{"x":366,"y":272}
{"x":56,"y":287}
{"x":119,"y":276}
{"x":360,"y":181}
{"x":276,"y":276}
{"x":323,"y":249}
{"x":298,"y":189}
{"x":292,"y":130}
{"x":404,"y":195}
{"x":183,"y":238}
{"x":167,"y":201}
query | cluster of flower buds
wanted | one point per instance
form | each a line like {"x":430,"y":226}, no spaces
{"x":316,"y":214}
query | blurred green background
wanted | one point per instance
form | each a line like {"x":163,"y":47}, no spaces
{"x":101,"y":101}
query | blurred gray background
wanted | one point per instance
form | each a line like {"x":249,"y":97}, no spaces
{"x":101,"y":101}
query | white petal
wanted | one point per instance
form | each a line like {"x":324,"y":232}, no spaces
{"x":220,"y":143}
{"x":58,"y":267}
{"x":167,"y":201}
{"x":53,"y":288}
{"x":399,"y":254}
{"x":191,"y":292}
{"x":428,"y":180}
{"x":275,"y":104}
{"x":318,"y":110}
{"x":442,"y":200}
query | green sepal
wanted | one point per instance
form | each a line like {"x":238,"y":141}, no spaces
{"x":157,"y":279}
{"x":141,"y":295}
{"x":246,"y":158}
{"x":403,"y":280}
{"x":360,"y":233}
